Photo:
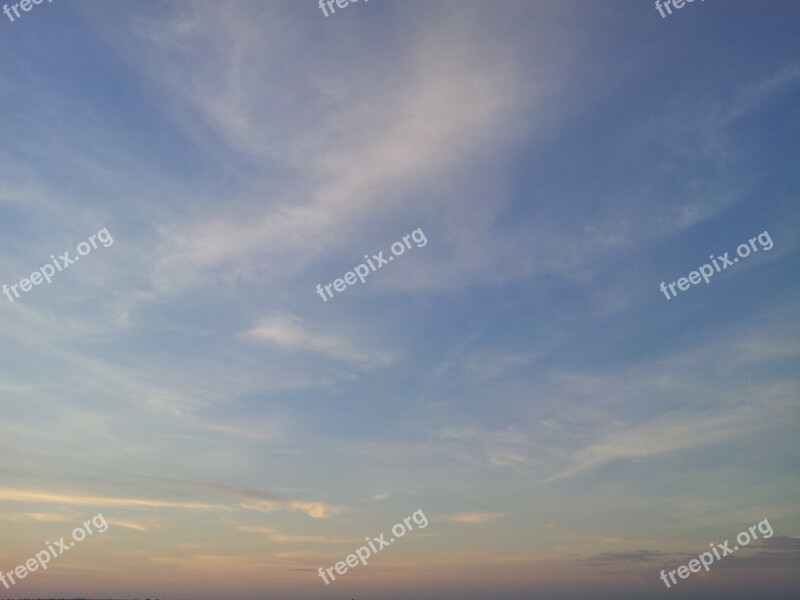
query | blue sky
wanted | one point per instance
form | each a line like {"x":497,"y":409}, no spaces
{"x":567,"y":430}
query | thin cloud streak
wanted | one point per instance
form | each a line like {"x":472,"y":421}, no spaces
{"x":474,"y":518}
{"x":661,"y":436}
{"x":26,"y":495}
{"x":290,"y":333}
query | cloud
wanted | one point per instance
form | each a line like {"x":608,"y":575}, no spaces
{"x":128,"y":524}
{"x":276,"y":536}
{"x":315,"y":510}
{"x":668,"y":433}
{"x":43,"y":517}
{"x":253,"y":529}
{"x":753,"y":97}
{"x":613,"y":558}
{"x":775,"y":553}
{"x":333,"y":141}
{"x":289,"y":332}
{"x":500,"y":448}
{"x":24,"y":495}
{"x":475,"y":517}
{"x":251,"y":500}
{"x":743,"y":407}
{"x":262,"y":505}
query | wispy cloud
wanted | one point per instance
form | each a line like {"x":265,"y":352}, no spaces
{"x":501,"y":448}
{"x":778,"y":552}
{"x":26,"y":495}
{"x":250,"y":499}
{"x":279,"y":537}
{"x":256,"y":501}
{"x":43,"y":517}
{"x":128,"y":524}
{"x":290,"y":333}
{"x":614,"y":558}
{"x":669,"y":433}
{"x":315,"y":510}
{"x":473,"y":518}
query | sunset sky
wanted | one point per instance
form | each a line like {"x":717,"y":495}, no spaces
{"x":566,"y":429}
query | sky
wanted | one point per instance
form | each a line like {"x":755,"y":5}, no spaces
{"x":515,"y":374}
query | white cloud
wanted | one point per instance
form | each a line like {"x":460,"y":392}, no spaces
{"x":343,"y":147}
{"x":672,"y":432}
{"x":290,"y":333}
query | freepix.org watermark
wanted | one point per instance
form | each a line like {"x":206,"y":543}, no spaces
{"x":363,"y":553}
{"x":361,"y":271}
{"x":676,"y":3}
{"x":339,"y":3}
{"x":706,"y":559}
{"x":25,"y":5}
{"x":42,"y":558}
{"x":706,"y":271}
{"x":47,"y":272}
